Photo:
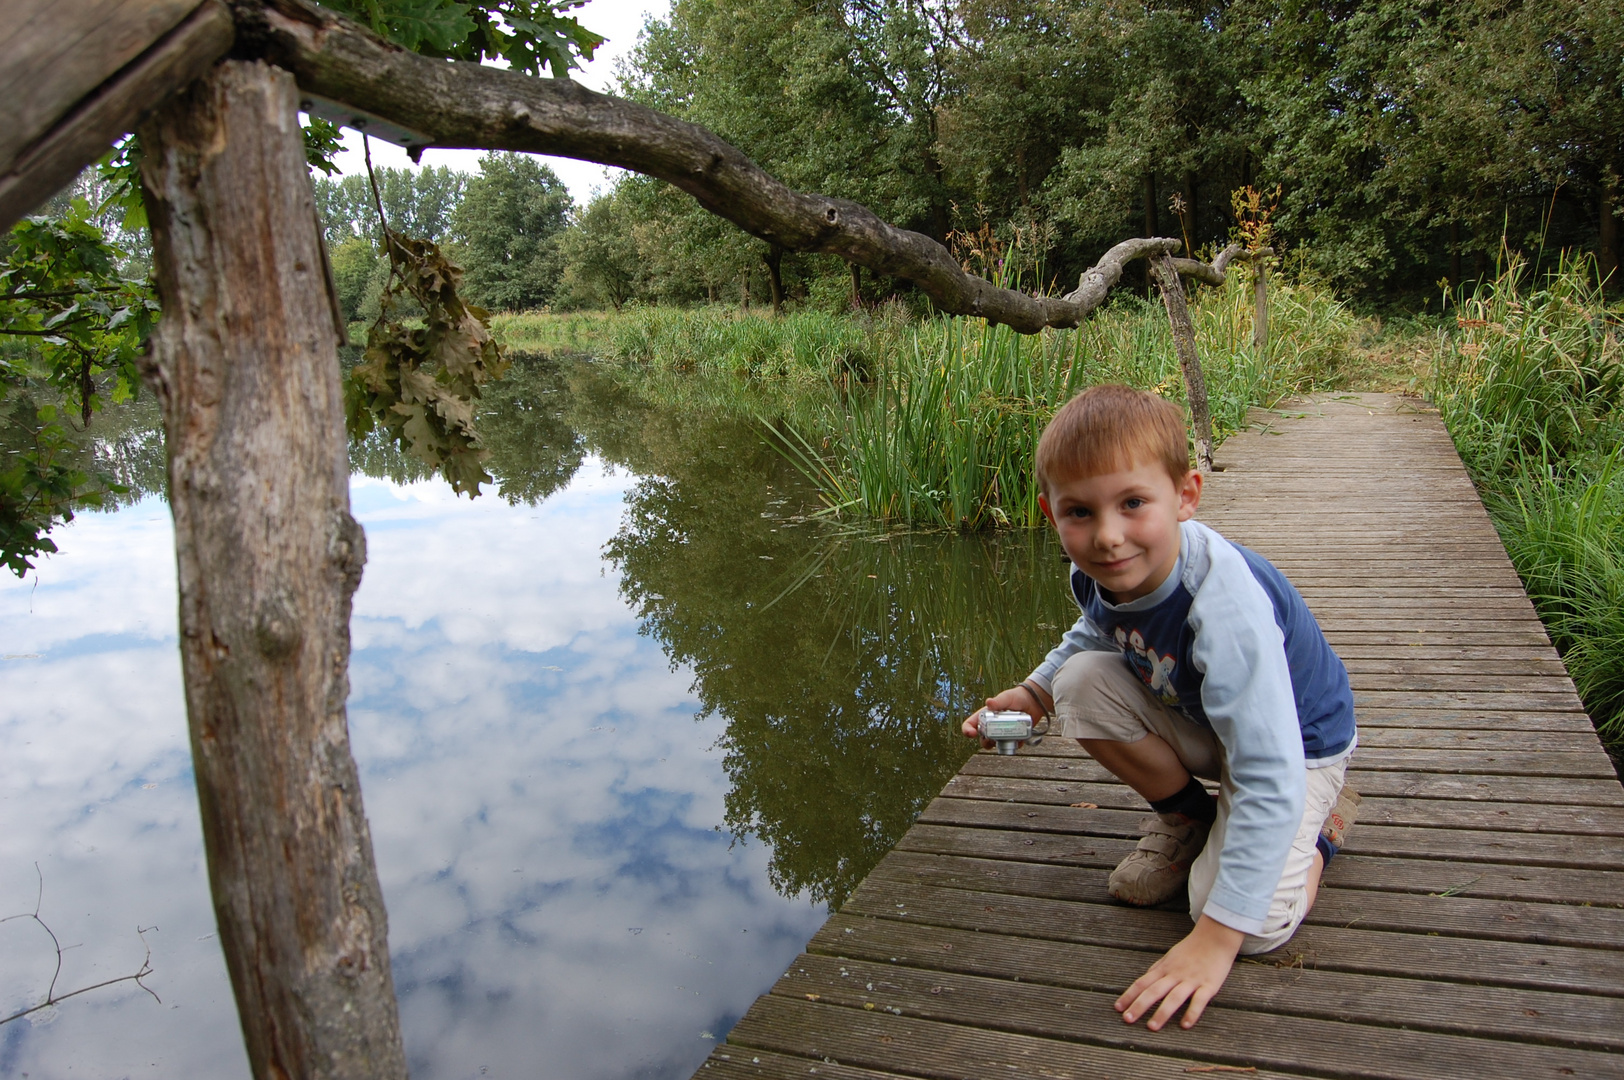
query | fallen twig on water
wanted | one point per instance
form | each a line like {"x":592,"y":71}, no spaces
{"x":51,"y":996}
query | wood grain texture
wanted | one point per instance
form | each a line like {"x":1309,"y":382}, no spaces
{"x":54,"y":54}
{"x":245,"y":367}
{"x":93,"y":122}
{"x":1472,"y":926}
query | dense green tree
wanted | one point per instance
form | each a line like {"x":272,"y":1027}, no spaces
{"x":599,"y":256}
{"x":506,"y":229}
{"x":416,"y":202}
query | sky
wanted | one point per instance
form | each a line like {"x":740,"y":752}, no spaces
{"x":617,"y":20}
{"x":545,"y":801}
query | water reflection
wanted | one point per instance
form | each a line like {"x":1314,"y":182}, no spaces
{"x":568,"y":705}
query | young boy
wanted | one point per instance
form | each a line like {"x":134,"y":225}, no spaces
{"x":1193,"y":657}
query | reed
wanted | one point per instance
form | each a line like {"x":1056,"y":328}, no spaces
{"x":945,"y":436}
{"x":1531,"y":386}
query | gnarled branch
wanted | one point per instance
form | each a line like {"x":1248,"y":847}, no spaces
{"x":1217,"y":271}
{"x":466,"y":105}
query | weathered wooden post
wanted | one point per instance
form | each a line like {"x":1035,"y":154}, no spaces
{"x":1260,"y":304}
{"x":244,"y":364}
{"x":1195,"y":383}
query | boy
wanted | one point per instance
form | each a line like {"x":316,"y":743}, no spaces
{"x":1193,"y":657}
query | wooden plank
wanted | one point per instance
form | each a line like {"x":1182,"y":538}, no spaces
{"x":1453,"y":916}
{"x":1399,"y":841}
{"x":54,"y":54}
{"x":1408,"y":759}
{"x":1406,"y":810}
{"x":879,"y":1039}
{"x":1598,"y":888}
{"x":1527,"y":1016}
{"x":1397,"y":784}
{"x":731,"y":1063}
{"x":1242,"y":1038}
{"x":87,"y":130}
{"x":1331,"y":948}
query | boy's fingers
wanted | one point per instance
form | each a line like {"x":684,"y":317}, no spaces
{"x":1148,"y":997}
{"x":1176,"y":996}
{"x":1198,"y":1005}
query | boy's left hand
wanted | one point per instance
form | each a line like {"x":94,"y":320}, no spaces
{"x":1193,"y":971}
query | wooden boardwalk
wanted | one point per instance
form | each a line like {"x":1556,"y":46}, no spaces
{"x":1473,"y":926}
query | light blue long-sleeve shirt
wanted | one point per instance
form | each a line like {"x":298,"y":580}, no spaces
{"x":1228,"y":643}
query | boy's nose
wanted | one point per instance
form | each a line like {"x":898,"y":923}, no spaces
{"x":1108,"y":533}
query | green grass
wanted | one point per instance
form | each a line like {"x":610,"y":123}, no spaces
{"x":553,"y":332}
{"x":1531,"y":386}
{"x":946,"y":435}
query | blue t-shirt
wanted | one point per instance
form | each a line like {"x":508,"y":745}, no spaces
{"x":1227,"y":641}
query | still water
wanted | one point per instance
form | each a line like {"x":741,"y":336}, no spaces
{"x":627,"y":724}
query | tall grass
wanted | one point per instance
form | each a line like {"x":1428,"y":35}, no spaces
{"x":946,"y":435}
{"x":803,"y":345}
{"x":1532,"y":390}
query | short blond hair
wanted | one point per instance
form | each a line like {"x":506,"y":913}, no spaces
{"x":1109,"y":428}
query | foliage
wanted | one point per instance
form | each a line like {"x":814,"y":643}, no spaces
{"x":1531,"y":385}
{"x":530,"y":35}
{"x":1403,"y":137}
{"x":417,"y":202}
{"x":60,"y":286}
{"x":807,"y":346}
{"x":322,"y":143}
{"x":507,"y":228}
{"x":947,"y":433}
{"x":71,"y":329}
{"x":599,"y":256}
{"x":839,"y":734}
{"x":419,"y":383}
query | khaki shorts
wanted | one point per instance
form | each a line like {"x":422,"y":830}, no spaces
{"x":1097,"y":696}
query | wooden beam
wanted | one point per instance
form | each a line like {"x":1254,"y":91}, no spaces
{"x":54,"y":54}
{"x":86,"y":126}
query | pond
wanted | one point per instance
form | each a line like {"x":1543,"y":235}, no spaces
{"x":628,"y":726}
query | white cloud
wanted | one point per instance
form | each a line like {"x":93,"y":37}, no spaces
{"x":542,"y":803}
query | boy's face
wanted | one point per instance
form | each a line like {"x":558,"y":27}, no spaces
{"x":1122,"y":528}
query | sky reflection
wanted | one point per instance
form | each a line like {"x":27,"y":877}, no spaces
{"x":544,"y":804}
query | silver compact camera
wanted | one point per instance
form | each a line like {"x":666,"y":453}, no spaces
{"x":1009,"y":729}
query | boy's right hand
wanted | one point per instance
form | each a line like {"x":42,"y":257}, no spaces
{"x":1016,"y":699}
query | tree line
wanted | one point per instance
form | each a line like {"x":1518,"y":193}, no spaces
{"x":1396,"y":143}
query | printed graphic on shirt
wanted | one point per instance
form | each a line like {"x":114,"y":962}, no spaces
{"x":1154,"y":671}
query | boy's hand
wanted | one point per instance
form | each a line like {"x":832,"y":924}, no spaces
{"x":1016,"y":698}
{"x":1193,"y":970}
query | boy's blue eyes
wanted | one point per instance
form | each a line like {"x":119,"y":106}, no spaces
{"x":1083,"y":511}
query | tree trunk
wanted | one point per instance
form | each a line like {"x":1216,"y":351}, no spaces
{"x":1195,"y":384}
{"x":1150,"y":222}
{"x":775,"y":276}
{"x":245,"y":367}
{"x":1607,"y":245}
{"x":1454,"y":254}
{"x":1260,"y":305}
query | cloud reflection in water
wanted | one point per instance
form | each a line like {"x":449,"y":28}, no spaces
{"x":543,"y":804}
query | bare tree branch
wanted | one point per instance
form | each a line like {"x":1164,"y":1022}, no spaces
{"x":467,"y":105}
{"x":1217,"y":271}
{"x":51,"y":996}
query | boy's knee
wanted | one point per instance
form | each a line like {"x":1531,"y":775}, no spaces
{"x":1085,"y":675}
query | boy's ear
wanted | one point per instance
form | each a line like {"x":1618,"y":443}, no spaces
{"x":1043,"y":504}
{"x":1189,"y":494}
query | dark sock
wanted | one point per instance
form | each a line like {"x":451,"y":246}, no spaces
{"x":1193,"y":802}
{"x":1326,"y":848}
